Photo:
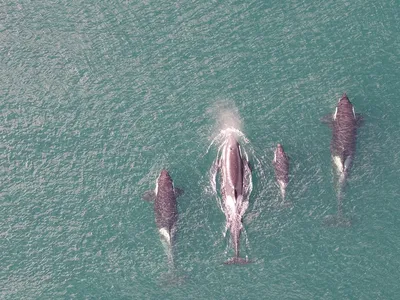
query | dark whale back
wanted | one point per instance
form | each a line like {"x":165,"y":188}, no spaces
{"x":165,"y":207}
{"x":281,"y":164}
{"x":344,"y":123}
{"x":233,"y":168}
{"x":344,"y":129}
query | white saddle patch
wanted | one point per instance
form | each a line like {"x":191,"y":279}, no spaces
{"x":165,"y":234}
{"x":282,"y":184}
{"x":338,"y":164}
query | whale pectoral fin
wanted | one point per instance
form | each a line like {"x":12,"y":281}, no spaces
{"x":327,"y":120}
{"x":359,"y":120}
{"x":149,"y":196}
{"x":178,"y":192}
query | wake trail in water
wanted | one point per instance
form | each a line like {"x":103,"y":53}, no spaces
{"x":339,"y":219}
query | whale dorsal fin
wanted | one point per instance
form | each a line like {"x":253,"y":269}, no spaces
{"x":178,"y":192}
{"x":149,"y":195}
{"x":359,"y":120}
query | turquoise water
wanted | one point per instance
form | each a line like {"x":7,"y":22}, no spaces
{"x":97,"y":97}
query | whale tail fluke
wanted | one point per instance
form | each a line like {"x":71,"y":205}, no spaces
{"x":237,"y":261}
{"x":337,"y":221}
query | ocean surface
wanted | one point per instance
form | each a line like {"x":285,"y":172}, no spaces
{"x":96,"y":97}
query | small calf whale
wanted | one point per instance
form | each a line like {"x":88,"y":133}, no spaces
{"x":344,"y":123}
{"x":234,"y":170}
{"x":165,"y":209}
{"x":281,"y":165}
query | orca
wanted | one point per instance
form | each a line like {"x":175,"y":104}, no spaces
{"x":344,"y":123}
{"x":281,"y":166}
{"x":165,"y":209}
{"x":234,"y":170}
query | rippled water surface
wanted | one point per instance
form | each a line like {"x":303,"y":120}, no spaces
{"x":96,"y":97}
